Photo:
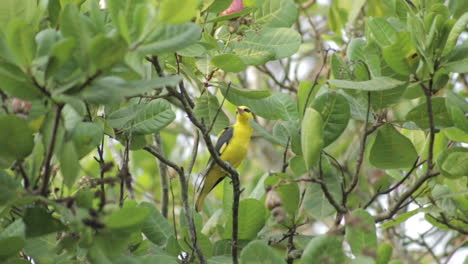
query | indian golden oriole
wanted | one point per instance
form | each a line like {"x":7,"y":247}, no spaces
{"x":232,"y":145}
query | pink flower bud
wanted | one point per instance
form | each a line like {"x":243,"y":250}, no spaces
{"x":235,"y":6}
{"x":21,"y":106}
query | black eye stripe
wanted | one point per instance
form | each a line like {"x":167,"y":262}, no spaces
{"x":247,"y":110}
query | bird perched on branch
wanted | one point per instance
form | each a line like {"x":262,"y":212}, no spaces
{"x":232,"y":145}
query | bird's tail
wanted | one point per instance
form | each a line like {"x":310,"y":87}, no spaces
{"x":213,"y":177}
{"x":201,"y":199}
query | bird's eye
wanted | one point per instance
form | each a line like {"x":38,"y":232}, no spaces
{"x":247,"y":110}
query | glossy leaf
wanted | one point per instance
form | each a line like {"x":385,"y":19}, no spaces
{"x":419,"y":115}
{"x":311,"y":137}
{"x":457,"y":29}
{"x":128,"y":217}
{"x":276,"y":13}
{"x":259,"y":252}
{"x":16,"y":138}
{"x":257,"y":48}
{"x":324,"y":249}
{"x":105,"y":52}
{"x":21,"y":42}
{"x":376,"y":84}
{"x":453,"y":162}
{"x":69,"y":164}
{"x":206,"y":109}
{"x":8,"y":188}
{"x":391,"y":150}
{"x":40,"y":222}
{"x":16,"y":83}
{"x":170,"y":38}
{"x":155,"y":227}
{"x":335,"y":112}
{"x":382,"y":31}
{"x":361,"y":233}
{"x":184,"y":11}
{"x":228,"y":63}
{"x":252,"y":217}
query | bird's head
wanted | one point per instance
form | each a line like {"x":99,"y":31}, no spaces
{"x":244,"y":113}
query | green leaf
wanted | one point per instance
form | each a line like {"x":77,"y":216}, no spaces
{"x":453,"y":162}
{"x":228,"y":63}
{"x":155,"y":227}
{"x":86,"y":137}
{"x":276,"y":106}
{"x":382,"y":31}
{"x":339,"y":68}
{"x":128,"y":217}
{"x":360,"y":233}
{"x":460,"y":66}
{"x":252,"y":217}
{"x":400,"y":219}
{"x":396,"y":55}
{"x":311,"y":137}
{"x":170,"y":38}
{"x":113,"y":89}
{"x":324,"y":249}
{"x":12,"y":239}
{"x":148,"y":259}
{"x":384,"y":253}
{"x":258,"y":252}
{"x":246,"y":93}
{"x":457,"y":29}
{"x":257,"y":48}
{"x":16,"y":83}
{"x":376,"y":84}
{"x":316,"y":204}
{"x":392,"y":150}
{"x":276,"y":13}
{"x":72,"y":26}
{"x":143,"y":120}
{"x":20,"y":38}
{"x":40,"y":222}
{"x":335,"y":112}
{"x":16,"y":138}
{"x":266,"y":135}
{"x":288,"y":192}
{"x":219,"y":5}
{"x":105,"y":51}
{"x":419,"y":114}
{"x":206,"y":109}
{"x":61,"y":54}
{"x":182,"y":12}
{"x":302,"y":94}
{"x":69,"y":164}
{"x":8,"y":188}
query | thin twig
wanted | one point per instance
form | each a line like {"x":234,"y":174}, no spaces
{"x":362,"y":149}
{"x":415,"y":165}
{"x":90,"y":79}
{"x":285,"y":156}
{"x":339,"y":209}
{"x":158,"y":146}
{"x":50,"y":152}
{"x":219,"y":108}
{"x":317,"y":76}
{"x":394,"y":209}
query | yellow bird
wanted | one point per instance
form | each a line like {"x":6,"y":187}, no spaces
{"x":232,"y":146}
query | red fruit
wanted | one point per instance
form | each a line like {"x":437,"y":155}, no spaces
{"x":235,"y":6}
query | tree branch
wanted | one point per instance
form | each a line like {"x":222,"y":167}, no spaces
{"x":415,"y":165}
{"x":158,"y":146}
{"x":50,"y":152}
{"x":361,"y":152}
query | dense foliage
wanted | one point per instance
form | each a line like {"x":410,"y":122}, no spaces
{"x":108,"y":112}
